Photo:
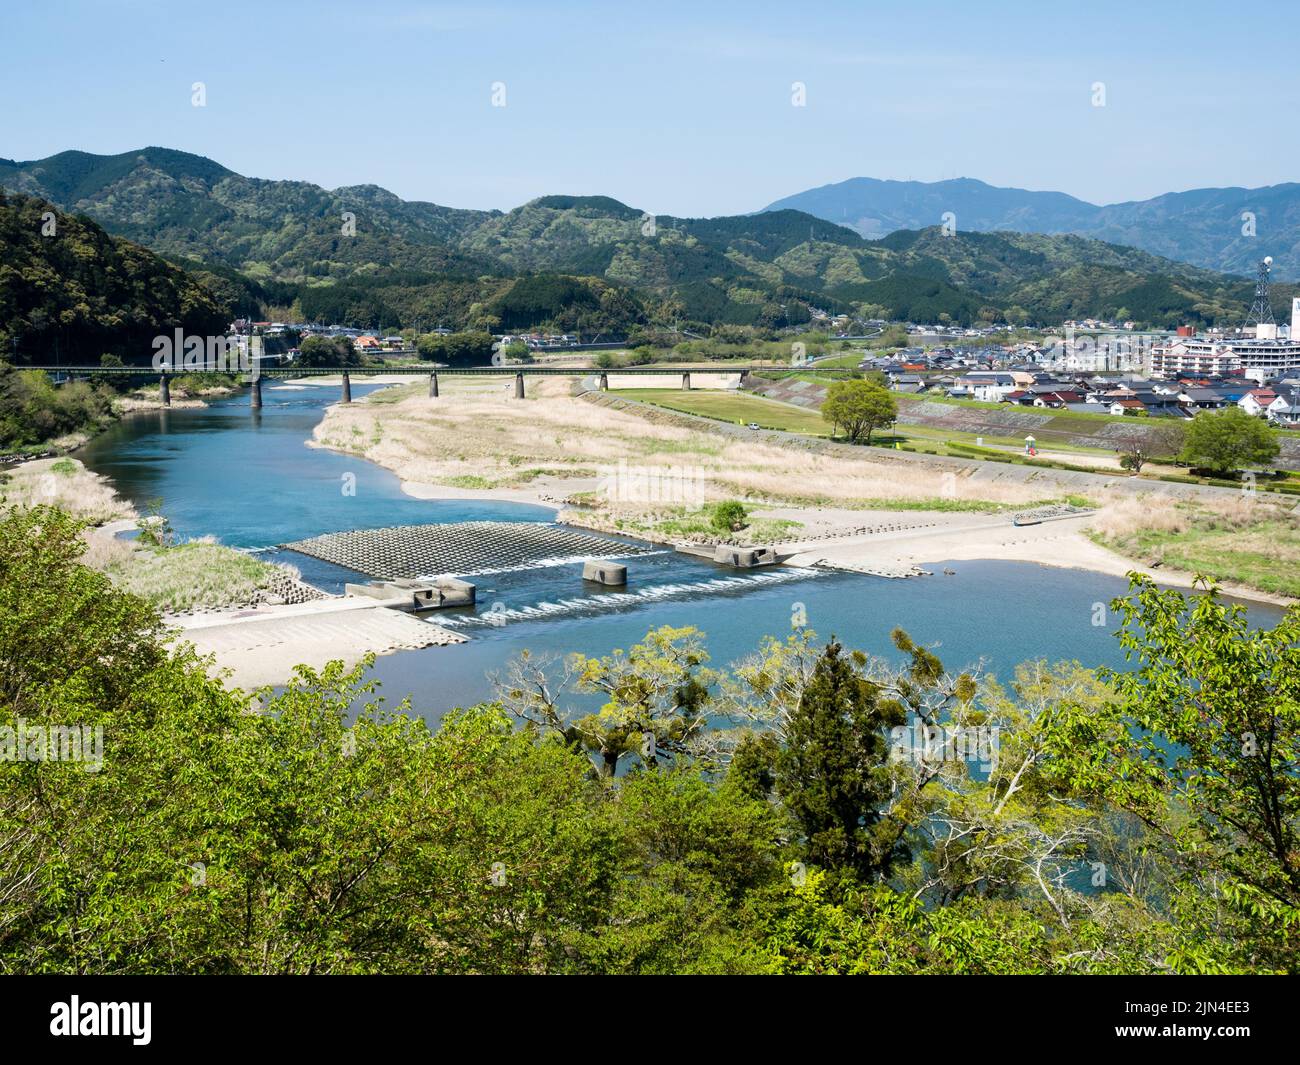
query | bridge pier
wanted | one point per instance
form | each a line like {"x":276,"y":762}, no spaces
{"x":347,"y":388}
{"x":686,"y":382}
{"x":519,"y":386}
{"x":255,"y":392}
{"x":604,"y":382}
{"x":433,"y":386}
{"x":164,"y":391}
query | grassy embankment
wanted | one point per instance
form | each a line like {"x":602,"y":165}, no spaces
{"x":197,"y":575}
{"x":1056,"y":449}
{"x":737,"y":407}
{"x":1250,"y":540}
{"x":744,"y":407}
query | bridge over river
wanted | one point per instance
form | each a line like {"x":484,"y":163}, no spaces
{"x":518,"y":372}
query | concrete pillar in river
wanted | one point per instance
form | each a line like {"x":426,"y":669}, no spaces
{"x":164,"y":391}
{"x":686,"y":382}
{"x":519,"y":386}
{"x":255,"y":393}
{"x":604,"y":382}
{"x":347,"y":388}
{"x":433,"y":386}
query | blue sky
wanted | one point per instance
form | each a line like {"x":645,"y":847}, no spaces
{"x":675,"y":108}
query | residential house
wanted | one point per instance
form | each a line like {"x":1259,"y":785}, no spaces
{"x":1256,"y":401}
{"x":990,"y":387}
{"x":1285,"y":410}
{"x":1204,"y":399}
{"x":907,"y":382}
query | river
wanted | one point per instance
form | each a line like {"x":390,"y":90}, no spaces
{"x":251,"y":481}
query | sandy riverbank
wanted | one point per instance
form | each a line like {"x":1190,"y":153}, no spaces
{"x":966,"y":538}
{"x":478,"y":426}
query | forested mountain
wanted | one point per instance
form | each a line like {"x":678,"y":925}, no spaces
{"x":1204,"y":227}
{"x":1034,"y":277}
{"x":185,"y":206}
{"x":68,"y":289}
{"x":364,"y":256}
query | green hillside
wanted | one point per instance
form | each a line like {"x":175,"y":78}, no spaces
{"x":363,"y":255}
{"x":77,"y":292}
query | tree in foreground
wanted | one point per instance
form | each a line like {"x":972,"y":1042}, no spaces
{"x":655,"y":695}
{"x":1202,"y":749}
{"x":314,"y":831}
{"x":833,"y":775}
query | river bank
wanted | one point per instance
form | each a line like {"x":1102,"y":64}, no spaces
{"x":554,"y":448}
{"x":256,"y":479}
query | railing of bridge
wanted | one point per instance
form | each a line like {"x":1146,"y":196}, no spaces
{"x":409,"y":370}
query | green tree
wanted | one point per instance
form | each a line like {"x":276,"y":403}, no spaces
{"x":693,"y":857}
{"x":328,"y":351}
{"x":858,"y":408}
{"x":656,"y":699}
{"x":33,"y":410}
{"x":834,"y":774}
{"x":1228,"y":440}
{"x":456,"y":349}
{"x":1203,"y":747}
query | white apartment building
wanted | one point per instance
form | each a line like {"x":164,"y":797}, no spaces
{"x":1194,"y":356}
{"x":1261,"y":357}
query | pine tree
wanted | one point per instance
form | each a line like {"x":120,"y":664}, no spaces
{"x":834,"y":776}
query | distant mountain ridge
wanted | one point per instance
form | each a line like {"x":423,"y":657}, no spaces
{"x":592,"y":263}
{"x":1203,"y":227}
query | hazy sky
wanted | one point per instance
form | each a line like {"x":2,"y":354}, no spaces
{"x":673,"y":108}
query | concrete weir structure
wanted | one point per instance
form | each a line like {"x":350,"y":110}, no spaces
{"x":426,"y":552}
{"x":605,"y":572}
{"x":736,"y":556}
{"x":412,"y":595}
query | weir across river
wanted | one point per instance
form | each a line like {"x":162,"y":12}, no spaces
{"x":461,"y":548}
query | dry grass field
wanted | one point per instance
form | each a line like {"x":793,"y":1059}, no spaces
{"x":476,"y":435}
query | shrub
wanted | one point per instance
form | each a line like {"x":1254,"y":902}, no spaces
{"x":729,"y":516}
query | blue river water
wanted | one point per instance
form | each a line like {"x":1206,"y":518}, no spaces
{"x":251,"y":481}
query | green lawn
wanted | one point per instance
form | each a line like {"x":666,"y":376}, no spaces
{"x":735,"y":407}
{"x":743,"y":408}
{"x":850,"y":360}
